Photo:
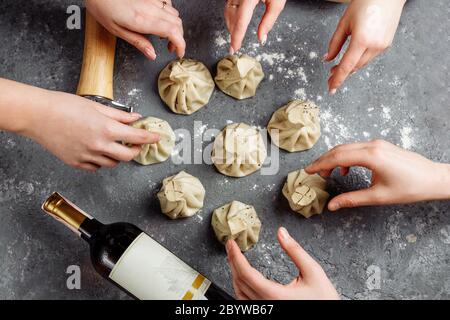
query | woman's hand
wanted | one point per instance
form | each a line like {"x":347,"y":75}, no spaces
{"x":371,"y":24}
{"x":132,"y":19}
{"x":311,"y":284}
{"x":85,"y":134}
{"x":238,"y":14}
{"x":398,"y":176}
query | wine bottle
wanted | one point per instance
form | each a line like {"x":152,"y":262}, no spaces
{"x":136,"y":263}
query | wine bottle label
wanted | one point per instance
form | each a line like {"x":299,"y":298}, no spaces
{"x":151,"y":272}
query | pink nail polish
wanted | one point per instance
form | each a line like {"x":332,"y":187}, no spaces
{"x":231,"y":50}
{"x":332,"y":92}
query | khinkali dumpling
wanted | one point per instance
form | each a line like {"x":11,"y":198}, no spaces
{"x":181,"y":195}
{"x":239,"y":76}
{"x":296,"y":126}
{"x":161,"y":150}
{"x":306,"y":193}
{"x":238,"y":150}
{"x":185,"y":85}
{"x":237,"y":221}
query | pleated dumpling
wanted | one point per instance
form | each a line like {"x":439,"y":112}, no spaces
{"x":160,"y":151}
{"x":306,"y":193}
{"x":185,"y":85}
{"x":237,"y":221}
{"x":239,"y":76}
{"x":238,"y":150}
{"x":295,"y":126}
{"x":181,"y":195}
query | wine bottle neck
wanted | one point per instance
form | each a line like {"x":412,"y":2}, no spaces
{"x":71,"y":216}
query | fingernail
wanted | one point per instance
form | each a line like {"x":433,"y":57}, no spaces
{"x":332,"y":92}
{"x":333,"y":206}
{"x":284,"y":233}
{"x":325,"y":57}
{"x":136,"y":115}
{"x":157,"y":137}
{"x":264,"y":39}
{"x":150,"y":53}
{"x":231,"y":50}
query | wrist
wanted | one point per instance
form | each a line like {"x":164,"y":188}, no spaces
{"x":34,"y":111}
{"x":442,"y":186}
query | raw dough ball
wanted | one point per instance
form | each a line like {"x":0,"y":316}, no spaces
{"x":295,"y":126}
{"x":238,"y":150}
{"x":160,"y":151}
{"x":306,"y":193}
{"x":181,"y":195}
{"x":239,"y":76}
{"x":237,"y":221}
{"x":185,"y":85}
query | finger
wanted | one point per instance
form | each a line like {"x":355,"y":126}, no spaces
{"x":115,"y":114}
{"x":243,"y":18}
{"x":244,"y":271}
{"x":88,"y":166}
{"x":354,"y":199}
{"x":138,"y":41}
{"x":307,"y":266}
{"x":128,"y":134}
{"x":346,"y":65}
{"x":334,"y":159}
{"x":229,"y":14}
{"x":103,"y":161}
{"x":120,"y":152}
{"x":238,"y":284}
{"x":171,"y":47}
{"x":366,"y":57}
{"x":165,"y":26}
{"x":273,"y":10}
{"x":337,"y":41}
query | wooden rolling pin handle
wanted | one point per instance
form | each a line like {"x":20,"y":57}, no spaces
{"x":96,"y":78}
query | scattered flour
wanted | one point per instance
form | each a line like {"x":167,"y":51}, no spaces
{"x":300,"y":93}
{"x":313,"y":55}
{"x":366,"y":134}
{"x":271,"y":58}
{"x":134,"y":92}
{"x":386,"y":112}
{"x":219,"y":39}
{"x":271,"y":77}
{"x":407,"y":140}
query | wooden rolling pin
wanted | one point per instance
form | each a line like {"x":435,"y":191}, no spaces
{"x":97,"y":71}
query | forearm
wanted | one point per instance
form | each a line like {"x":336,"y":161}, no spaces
{"x":19,"y":104}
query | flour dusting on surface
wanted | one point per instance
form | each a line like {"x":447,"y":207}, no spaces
{"x":407,"y":140}
{"x":300,"y":93}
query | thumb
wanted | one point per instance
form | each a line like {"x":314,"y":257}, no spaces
{"x":307,"y":266}
{"x":353,"y":199}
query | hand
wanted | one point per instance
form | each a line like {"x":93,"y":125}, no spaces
{"x":311,"y":284}
{"x":131,"y":19}
{"x":238,"y":14}
{"x":398,"y":176}
{"x":83,"y":133}
{"x":371,"y":24}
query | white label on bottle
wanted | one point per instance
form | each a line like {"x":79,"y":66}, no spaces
{"x":151,"y":272}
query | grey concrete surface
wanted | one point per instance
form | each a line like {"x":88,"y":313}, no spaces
{"x":402,"y":97}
